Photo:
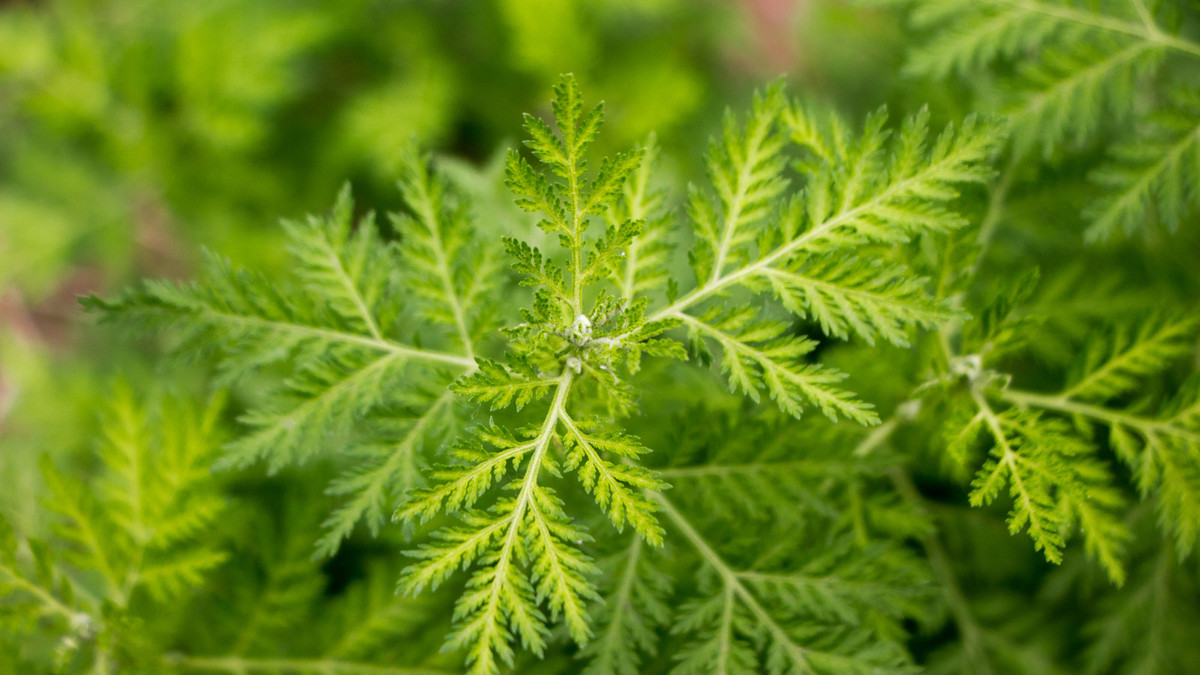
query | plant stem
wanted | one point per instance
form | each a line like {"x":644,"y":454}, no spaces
{"x":1110,"y":417}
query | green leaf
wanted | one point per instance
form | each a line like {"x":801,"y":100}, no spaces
{"x":1052,"y":481}
{"x":854,"y":296}
{"x":144,"y":528}
{"x":747,"y":173}
{"x":1114,"y":365}
{"x":762,"y":356}
{"x":1069,"y":93}
{"x":631,"y":613}
{"x":384,"y":474}
{"x":616,"y":486}
{"x":450,"y":271}
{"x":1152,"y":175}
{"x":643,"y":268}
{"x":499,"y":386}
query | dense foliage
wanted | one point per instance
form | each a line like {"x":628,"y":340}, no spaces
{"x":884,"y":389}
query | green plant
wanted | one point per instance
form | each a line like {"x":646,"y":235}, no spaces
{"x":142,"y":537}
{"x":572,"y":482}
{"x":570,"y":373}
{"x":1077,"y":72}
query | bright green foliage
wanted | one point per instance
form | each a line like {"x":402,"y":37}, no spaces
{"x":859,"y":192}
{"x":1158,"y":448}
{"x":337,"y":327}
{"x":1153,"y":172}
{"x":762,"y":355}
{"x":141,"y":536}
{"x":152,"y":501}
{"x":821,"y":596}
{"x":444,"y":264}
{"x":846,"y":296}
{"x":528,"y":545}
{"x":561,"y":403}
{"x":572,"y":490}
{"x":644,"y":267}
{"x":1052,"y":469}
{"x":367,"y":385}
{"x":879,"y":200}
{"x":1112,"y":83}
{"x":631,"y":613}
{"x":500,"y":387}
{"x":344,"y":360}
{"x":1079,"y":70}
{"x":1112,"y":366}
{"x":1051,"y":482}
{"x":758,"y":477}
{"x":390,"y":466}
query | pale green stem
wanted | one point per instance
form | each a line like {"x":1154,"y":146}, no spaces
{"x":525,"y":496}
{"x":45,"y":597}
{"x":1110,"y":417}
{"x":338,"y":336}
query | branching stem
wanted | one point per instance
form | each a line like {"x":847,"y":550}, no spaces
{"x":1064,"y":405}
{"x":48,"y":600}
{"x":524,"y":499}
{"x":380,"y":344}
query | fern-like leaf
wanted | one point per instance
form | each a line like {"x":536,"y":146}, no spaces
{"x":761,"y":355}
{"x":751,"y":621}
{"x":348,"y":364}
{"x":525,"y":548}
{"x":1112,"y":366}
{"x":446,"y":267}
{"x":1069,"y":94}
{"x":1158,"y":448}
{"x":386,"y":474}
{"x":631,"y":612}
{"x":1052,"y":480}
{"x":616,"y":486}
{"x":644,"y":268}
{"x":1152,"y":174}
{"x":499,"y":386}
{"x":155,"y":497}
{"x":868,"y":197}
{"x":1072,"y":70}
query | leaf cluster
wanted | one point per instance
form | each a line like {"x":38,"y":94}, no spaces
{"x":569,"y":476}
{"x":1115,"y":74}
